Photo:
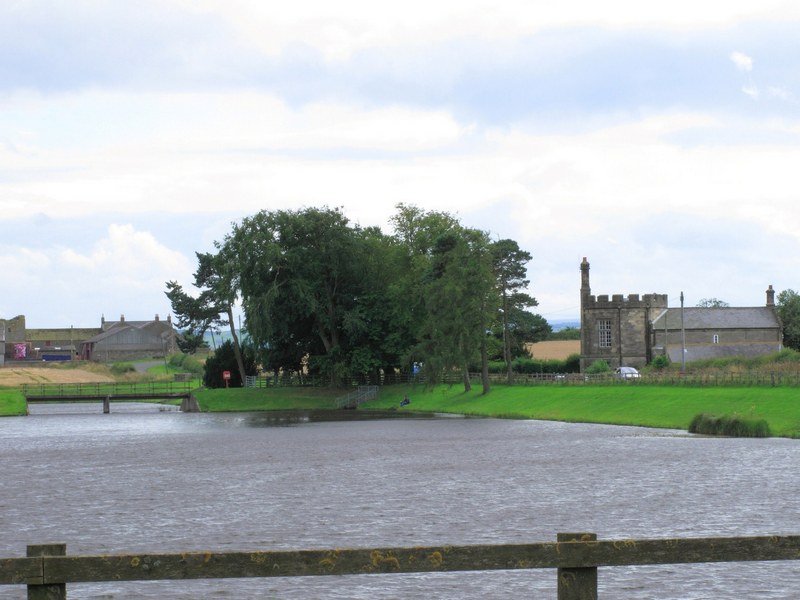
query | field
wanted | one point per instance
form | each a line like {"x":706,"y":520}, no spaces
{"x":13,"y":377}
{"x":554,"y":350}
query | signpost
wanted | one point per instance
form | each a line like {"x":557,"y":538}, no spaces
{"x":226,"y":375}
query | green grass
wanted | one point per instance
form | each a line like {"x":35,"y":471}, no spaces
{"x":648,"y":406}
{"x":253,"y":399}
{"x":644,"y":405}
{"x":12,"y":402}
{"x":729,"y":426}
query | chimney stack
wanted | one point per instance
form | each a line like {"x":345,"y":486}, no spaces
{"x":770,"y":296}
{"x":122,"y":318}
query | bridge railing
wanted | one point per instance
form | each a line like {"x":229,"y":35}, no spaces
{"x":47,"y":569}
{"x":97,"y":389}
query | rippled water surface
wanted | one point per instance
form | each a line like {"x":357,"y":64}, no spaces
{"x":142,"y":480}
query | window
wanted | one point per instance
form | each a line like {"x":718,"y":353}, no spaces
{"x":604,"y":333}
{"x":715,"y":339}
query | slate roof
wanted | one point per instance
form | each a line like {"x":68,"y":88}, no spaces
{"x":758,"y":317}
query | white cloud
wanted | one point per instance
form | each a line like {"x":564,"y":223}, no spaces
{"x":339,"y":29}
{"x":751,"y":90}
{"x":742,"y":61}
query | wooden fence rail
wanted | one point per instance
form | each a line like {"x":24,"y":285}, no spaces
{"x":47,"y":569}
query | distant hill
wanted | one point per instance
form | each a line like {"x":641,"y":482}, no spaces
{"x":559,"y":324}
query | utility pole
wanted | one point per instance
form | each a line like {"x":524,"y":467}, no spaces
{"x":683,"y":340}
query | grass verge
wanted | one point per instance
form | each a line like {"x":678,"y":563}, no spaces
{"x":12,"y":402}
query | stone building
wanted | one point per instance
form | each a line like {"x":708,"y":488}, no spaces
{"x":719,"y":332}
{"x":631,"y":330}
{"x":12,"y":333}
{"x":113,"y":340}
{"x":617,"y":329}
{"x":123,"y":340}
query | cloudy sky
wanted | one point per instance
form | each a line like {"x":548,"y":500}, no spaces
{"x":660,"y":140}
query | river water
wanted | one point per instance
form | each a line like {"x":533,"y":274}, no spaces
{"x":144,"y":479}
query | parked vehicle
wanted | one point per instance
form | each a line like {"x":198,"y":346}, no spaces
{"x":627,"y":373}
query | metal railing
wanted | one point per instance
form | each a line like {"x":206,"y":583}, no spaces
{"x":98,"y":389}
{"x":47,"y":569}
{"x":363,"y":393}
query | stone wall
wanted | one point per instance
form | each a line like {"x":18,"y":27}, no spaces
{"x":629,"y":317}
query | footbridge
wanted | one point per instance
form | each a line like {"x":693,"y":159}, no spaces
{"x":113,"y":392}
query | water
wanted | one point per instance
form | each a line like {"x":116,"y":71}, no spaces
{"x":143,"y":480}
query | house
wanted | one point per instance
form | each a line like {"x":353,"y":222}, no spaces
{"x":631,"y":330}
{"x":719,"y":332}
{"x":124,"y":340}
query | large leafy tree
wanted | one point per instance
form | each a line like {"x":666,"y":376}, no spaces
{"x":788,"y":306}
{"x":510,"y":270}
{"x":307,"y":290}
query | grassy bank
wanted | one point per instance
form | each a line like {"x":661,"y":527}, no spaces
{"x":251,"y":399}
{"x":649,"y":406}
{"x":12,"y":402}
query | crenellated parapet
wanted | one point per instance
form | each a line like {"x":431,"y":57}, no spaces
{"x":629,"y":301}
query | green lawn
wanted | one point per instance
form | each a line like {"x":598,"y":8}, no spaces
{"x":12,"y":402}
{"x":649,"y":406}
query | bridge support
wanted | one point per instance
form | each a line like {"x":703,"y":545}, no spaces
{"x":190,"y":404}
{"x":106,"y":405}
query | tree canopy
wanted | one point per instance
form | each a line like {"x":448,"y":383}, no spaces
{"x":788,"y":306}
{"x":337,"y":301}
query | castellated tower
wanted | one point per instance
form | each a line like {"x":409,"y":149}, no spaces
{"x":617,"y":330}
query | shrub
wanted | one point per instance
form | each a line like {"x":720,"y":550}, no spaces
{"x":731,"y":426}
{"x":597,"y":367}
{"x":122,"y":368}
{"x":660,"y":362}
{"x":224,"y":359}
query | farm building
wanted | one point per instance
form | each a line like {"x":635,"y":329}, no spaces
{"x":113,"y":340}
{"x":122,"y":340}
{"x":631,"y":330}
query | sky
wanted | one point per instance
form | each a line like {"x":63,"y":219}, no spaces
{"x":659,"y":140}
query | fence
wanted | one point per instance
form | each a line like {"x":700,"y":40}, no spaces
{"x":47,"y":569}
{"x":77,"y":390}
{"x":743,"y":379}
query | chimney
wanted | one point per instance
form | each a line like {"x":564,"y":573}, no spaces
{"x":156,"y":319}
{"x":770,"y":296}
{"x":585,"y":289}
{"x":122,"y":318}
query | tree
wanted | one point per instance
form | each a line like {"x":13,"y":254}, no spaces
{"x":712,"y":303}
{"x":225,"y":359}
{"x":509,"y":271}
{"x":301,"y":276}
{"x":788,"y":307}
{"x":524,"y":327}
{"x":193,"y":316}
{"x":460,"y":305}
{"x":217,"y":281}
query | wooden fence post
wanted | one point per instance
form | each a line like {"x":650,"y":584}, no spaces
{"x":50,"y":591}
{"x":581,"y":583}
